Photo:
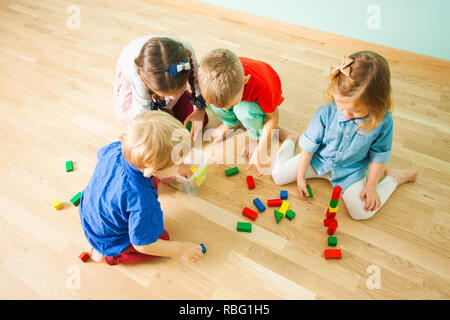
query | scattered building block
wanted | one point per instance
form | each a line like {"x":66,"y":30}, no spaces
{"x":309,"y":191}
{"x":69,"y":166}
{"x":332,"y":254}
{"x":284,"y":207}
{"x":330,"y":209}
{"x":84,"y":256}
{"x":232,"y":171}
{"x":333,"y":203}
{"x":290,"y":215}
{"x":332,"y":226}
{"x":249,"y":213}
{"x":278,"y":216}
{"x":336,"y":193}
{"x":259,"y":205}
{"x":76,"y":199}
{"x":250,"y":182}
{"x":244,"y":227}
{"x":332,"y":241}
{"x":189,"y":126}
{"x":274,"y":202}
{"x":283,"y":194}
{"x":203,"y":246}
{"x":57,"y":205}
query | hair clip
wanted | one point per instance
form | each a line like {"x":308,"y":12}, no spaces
{"x":158,"y":105}
{"x":344,"y":67}
{"x":200,"y":103}
{"x":176,"y":68}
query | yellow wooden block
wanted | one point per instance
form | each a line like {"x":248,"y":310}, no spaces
{"x":57,"y":205}
{"x":193,"y":170}
{"x":284,"y":207}
{"x":330,"y":209}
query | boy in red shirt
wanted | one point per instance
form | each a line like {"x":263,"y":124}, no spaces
{"x":242,"y":92}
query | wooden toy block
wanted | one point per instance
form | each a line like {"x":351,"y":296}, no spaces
{"x":250,"y":182}
{"x":290,"y":215}
{"x":76,"y":199}
{"x":278,"y":216}
{"x":189,"y":126}
{"x":249,"y":213}
{"x":244,"y":227}
{"x":69,"y":166}
{"x":284,"y":207}
{"x":259,"y":205}
{"x":332,"y":226}
{"x":203,"y":248}
{"x":332,"y":241}
{"x":309,"y":191}
{"x":283,"y":194}
{"x":57,"y":205}
{"x":274,"y":202}
{"x":193,"y":169}
{"x":84,"y":256}
{"x":326,"y":222}
{"x":336,"y":193}
{"x":330,"y":209}
{"x":333,"y":203}
{"x":232,"y":171}
{"x":332,"y":254}
{"x":330,"y":214}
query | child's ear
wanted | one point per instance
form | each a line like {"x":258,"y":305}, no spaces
{"x":148,"y":172}
{"x":246,"y":78}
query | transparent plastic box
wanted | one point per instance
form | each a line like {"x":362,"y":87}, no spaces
{"x":197,"y":161}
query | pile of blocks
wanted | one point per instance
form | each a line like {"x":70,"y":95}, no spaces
{"x":332,"y":224}
{"x":282,"y":202}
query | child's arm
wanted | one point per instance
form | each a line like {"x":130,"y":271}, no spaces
{"x":258,"y":157}
{"x":186,"y":250}
{"x":304,"y":161}
{"x":369,"y":192}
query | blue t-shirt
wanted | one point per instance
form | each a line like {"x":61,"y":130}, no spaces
{"x":339,"y":147}
{"x":119,"y":205}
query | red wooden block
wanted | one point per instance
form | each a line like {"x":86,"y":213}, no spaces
{"x":336,"y":193}
{"x":326,"y":222}
{"x":249,"y":213}
{"x":332,"y":227}
{"x":250,"y":182}
{"x":330,"y":215}
{"x":84,"y":256}
{"x":332,"y":254}
{"x":274,"y":202}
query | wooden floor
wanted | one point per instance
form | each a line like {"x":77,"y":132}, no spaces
{"x":56,"y":104}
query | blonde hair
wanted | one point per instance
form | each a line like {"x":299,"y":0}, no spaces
{"x":220,"y":76}
{"x":148,"y":139}
{"x":369,"y":80}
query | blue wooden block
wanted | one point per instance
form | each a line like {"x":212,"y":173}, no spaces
{"x":203,"y":248}
{"x":259,"y":205}
{"x":283,"y":194}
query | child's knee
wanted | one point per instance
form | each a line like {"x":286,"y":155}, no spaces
{"x":360,"y":214}
{"x":277,"y":177}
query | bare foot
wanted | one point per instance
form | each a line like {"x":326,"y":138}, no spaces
{"x":97,"y":257}
{"x":285,"y":134}
{"x":402,"y":176}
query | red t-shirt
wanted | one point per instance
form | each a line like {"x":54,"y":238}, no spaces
{"x":264,"y":85}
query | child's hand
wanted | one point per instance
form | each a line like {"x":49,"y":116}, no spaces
{"x":196,"y":119}
{"x":190,"y":251}
{"x":372,"y":198}
{"x":260,"y":161}
{"x":184,"y":171}
{"x":302,"y":190}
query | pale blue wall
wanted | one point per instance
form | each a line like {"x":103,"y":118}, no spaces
{"x":420,"y":26}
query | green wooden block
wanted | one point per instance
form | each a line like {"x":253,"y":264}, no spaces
{"x":309,"y":191}
{"x":232,"y":171}
{"x":244,"y":227}
{"x":69,"y":166}
{"x":76,"y":199}
{"x":334,"y":203}
{"x":189,"y":126}
{"x":332,"y":241}
{"x":290,"y":215}
{"x":278,"y":216}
